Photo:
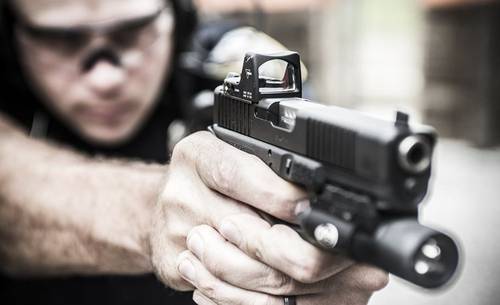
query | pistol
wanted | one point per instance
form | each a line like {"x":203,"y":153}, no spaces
{"x":365,"y":177}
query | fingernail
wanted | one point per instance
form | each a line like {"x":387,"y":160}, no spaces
{"x":186,"y":269}
{"x":230,"y":232}
{"x":195,"y":244}
{"x":200,"y":299}
{"x":302,"y":206}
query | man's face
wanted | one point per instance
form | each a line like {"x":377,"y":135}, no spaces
{"x":99,"y":65}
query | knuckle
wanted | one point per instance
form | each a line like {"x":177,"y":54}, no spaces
{"x":279,"y":283}
{"x":308,"y":271}
{"x":182,"y":150}
{"x":185,"y":150}
{"x":224,"y":176}
{"x":257,"y":247}
{"x":211,"y":289}
{"x":306,"y":266}
{"x":281,"y":230}
{"x":276,"y":201}
{"x":285,"y":204}
{"x":217,"y":269}
{"x":202,"y":230}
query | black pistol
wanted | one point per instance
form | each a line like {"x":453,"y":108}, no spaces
{"x":365,"y":176}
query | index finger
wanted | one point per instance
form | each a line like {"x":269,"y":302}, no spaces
{"x":245,"y":177}
{"x":281,"y":248}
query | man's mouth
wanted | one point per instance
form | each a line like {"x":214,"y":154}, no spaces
{"x":109,"y":115}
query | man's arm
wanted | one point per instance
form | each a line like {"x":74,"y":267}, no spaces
{"x":62,"y":212}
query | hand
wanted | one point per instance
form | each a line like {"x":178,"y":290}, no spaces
{"x":207,"y":183}
{"x":252,"y":262}
{"x":208,"y":180}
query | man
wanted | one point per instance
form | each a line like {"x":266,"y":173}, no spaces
{"x":95,"y":81}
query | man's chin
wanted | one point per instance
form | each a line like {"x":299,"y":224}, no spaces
{"x":107,"y":137}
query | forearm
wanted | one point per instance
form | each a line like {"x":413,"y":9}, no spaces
{"x":61,"y":212}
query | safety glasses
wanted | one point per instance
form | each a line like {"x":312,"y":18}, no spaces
{"x":70,"y":45}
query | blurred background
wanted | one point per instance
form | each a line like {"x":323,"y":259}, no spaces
{"x":439,"y":60}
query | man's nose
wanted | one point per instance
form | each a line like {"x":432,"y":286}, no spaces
{"x":105,"y":78}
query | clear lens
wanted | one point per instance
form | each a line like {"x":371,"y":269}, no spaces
{"x":67,"y":47}
{"x":276,"y":76}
